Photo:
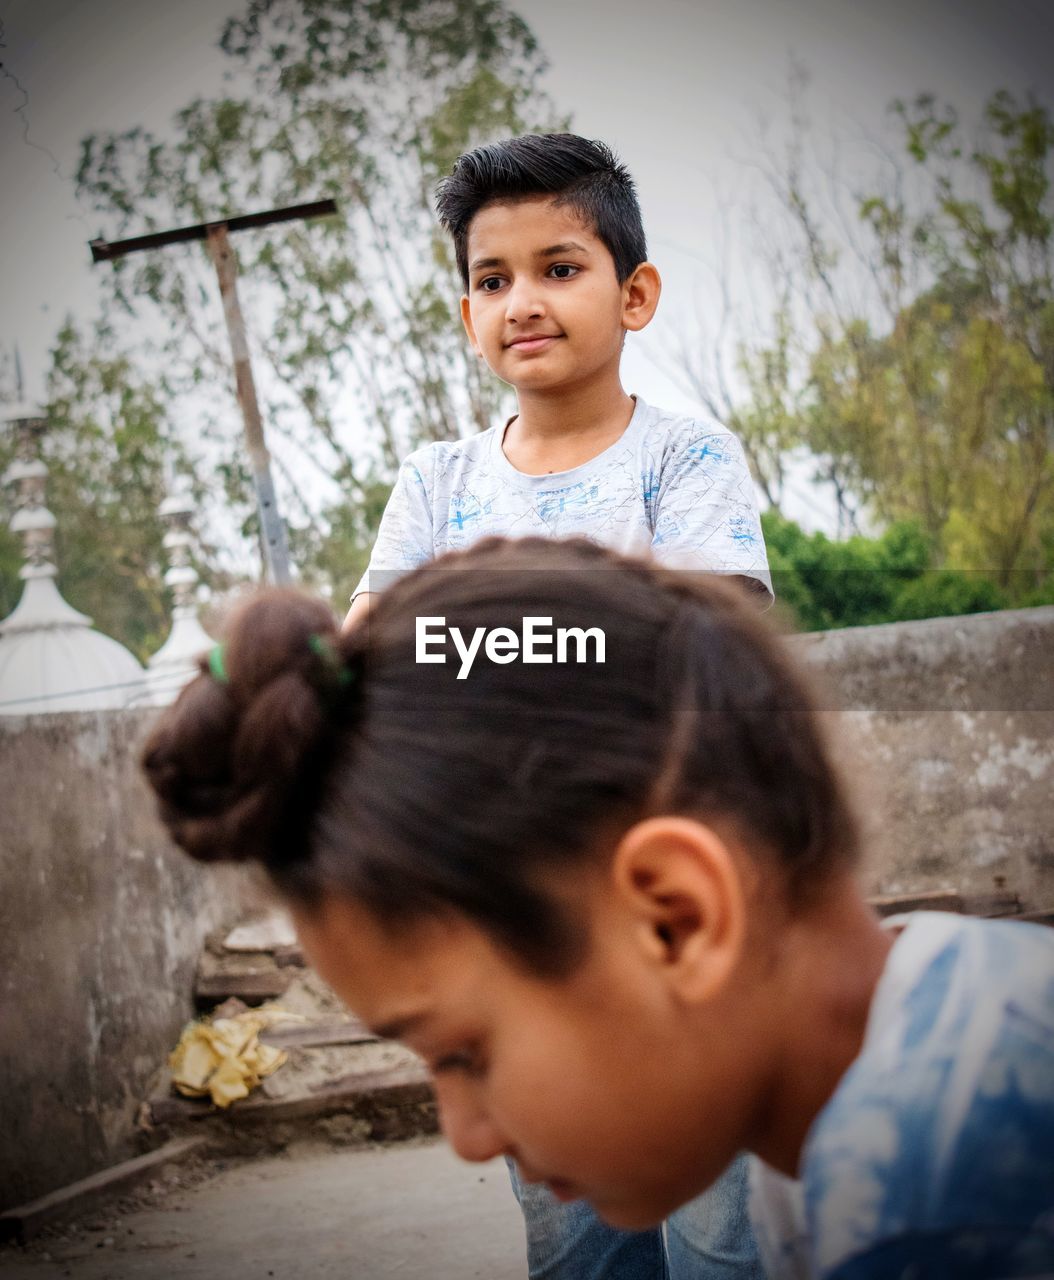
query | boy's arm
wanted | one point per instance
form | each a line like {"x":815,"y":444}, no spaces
{"x":706,"y":511}
{"x":360,"y":607}
{"x":404,"y":538}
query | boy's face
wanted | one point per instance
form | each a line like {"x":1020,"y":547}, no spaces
{"x":544,"y":306}
{"x":588,"y":1082}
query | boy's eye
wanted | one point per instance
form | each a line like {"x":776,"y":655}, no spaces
{"x":564,"y":271}
{"x":489,"y":284}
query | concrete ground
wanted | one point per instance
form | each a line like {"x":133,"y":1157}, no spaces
{"x":412,"y":1211}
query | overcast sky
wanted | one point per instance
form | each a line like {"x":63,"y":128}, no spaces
{"x":678,"y":87}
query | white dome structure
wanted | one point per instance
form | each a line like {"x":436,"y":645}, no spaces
{"x":175,"y":663}
{"x":51,"y":660}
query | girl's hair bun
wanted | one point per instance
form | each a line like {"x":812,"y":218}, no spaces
{"x":236,"y":760}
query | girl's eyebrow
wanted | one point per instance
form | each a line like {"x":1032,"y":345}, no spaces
{"x":396,"y":1028}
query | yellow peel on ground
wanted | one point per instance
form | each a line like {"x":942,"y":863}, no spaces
{"x":224,"y":1059}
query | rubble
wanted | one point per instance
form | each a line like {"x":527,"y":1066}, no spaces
{"x":336,"y":1079}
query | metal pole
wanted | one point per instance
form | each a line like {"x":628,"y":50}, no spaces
{"x":272,"y":527}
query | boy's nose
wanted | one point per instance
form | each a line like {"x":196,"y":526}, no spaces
{"x":523,"y":302}
{"x":467,"y":1127}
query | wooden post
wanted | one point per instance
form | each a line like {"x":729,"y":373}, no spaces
{"x":272,"y":529}
{"x":216,"y":235}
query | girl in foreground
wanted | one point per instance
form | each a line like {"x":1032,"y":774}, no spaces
{"x":613,"y":907}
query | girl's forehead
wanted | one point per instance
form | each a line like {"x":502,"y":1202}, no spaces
{"x":392,"y":976}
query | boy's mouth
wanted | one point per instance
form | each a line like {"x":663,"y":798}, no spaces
{"x":532,"y":342}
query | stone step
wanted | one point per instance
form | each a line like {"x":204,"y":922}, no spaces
{"x":365,"y":1106}
{"x":251,"y":976}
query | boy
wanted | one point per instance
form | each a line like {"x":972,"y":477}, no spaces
{"x":551,"y":251}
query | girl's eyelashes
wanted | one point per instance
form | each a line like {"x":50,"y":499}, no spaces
{"x":467,"y":1061}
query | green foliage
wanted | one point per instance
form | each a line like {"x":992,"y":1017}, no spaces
{"x":768,"y":418}
{"x":928,"y":395}
{"x":10,"y":549}
{"x":10,"y":558}
{"x":336,"y":556}
{"x":825,"y":584}
{"x":108,"y":450}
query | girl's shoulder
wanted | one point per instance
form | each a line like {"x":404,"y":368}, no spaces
{"x":946,"y":1119}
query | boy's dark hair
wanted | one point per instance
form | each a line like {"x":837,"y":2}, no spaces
{"x":343,"y":764}
{"x":576,"y":172}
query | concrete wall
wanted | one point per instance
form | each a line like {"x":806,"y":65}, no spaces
{"x":101,"y":923}
{"x":947,"y":729}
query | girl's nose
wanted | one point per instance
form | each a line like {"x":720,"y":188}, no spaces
{"x":467,"y":1126}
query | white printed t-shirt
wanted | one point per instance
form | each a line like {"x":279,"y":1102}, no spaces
{"x":676,"y":486}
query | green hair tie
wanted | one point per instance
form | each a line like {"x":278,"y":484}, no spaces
{"x":324,"y":649}
{"x":319,"y":645}
{"x":216,"y":664}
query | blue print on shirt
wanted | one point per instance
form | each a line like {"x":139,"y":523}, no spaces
{"x":705,"y":453}
{"x":466,"y":510}
{"x":553,"y":503}
{"x":742,"y":532}
{"x":649,"y":492}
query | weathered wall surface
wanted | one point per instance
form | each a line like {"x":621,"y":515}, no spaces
{"x":101,"y":923}
{"x":947,"y":729}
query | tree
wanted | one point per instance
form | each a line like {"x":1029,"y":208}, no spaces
{"x":112,"y":459}
{"x":911,"y":346}
{"x":355,"y":318}
{"x":825,"y":583}
{"x":973,"y":355}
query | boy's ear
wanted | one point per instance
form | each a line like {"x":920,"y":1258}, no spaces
{"x":640,"y":296}
{"x":466,"y":320}
{"x":685,"y":897}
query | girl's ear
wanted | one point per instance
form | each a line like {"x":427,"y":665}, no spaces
{"x":640,"y":296}
{"x":683,"y":890}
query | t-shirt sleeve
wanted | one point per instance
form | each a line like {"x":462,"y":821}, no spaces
{"x":404,"y":539}
{"x":706,"y":512}
{"x":967,"y":1253}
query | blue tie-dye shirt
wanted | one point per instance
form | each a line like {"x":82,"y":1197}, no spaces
{"x":935,"y":1155}
{"x":675,"y":486}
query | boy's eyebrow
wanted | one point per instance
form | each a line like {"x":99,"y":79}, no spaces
{"x":554,"y":251}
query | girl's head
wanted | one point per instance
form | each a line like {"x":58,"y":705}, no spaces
{"x":564,"y":884}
